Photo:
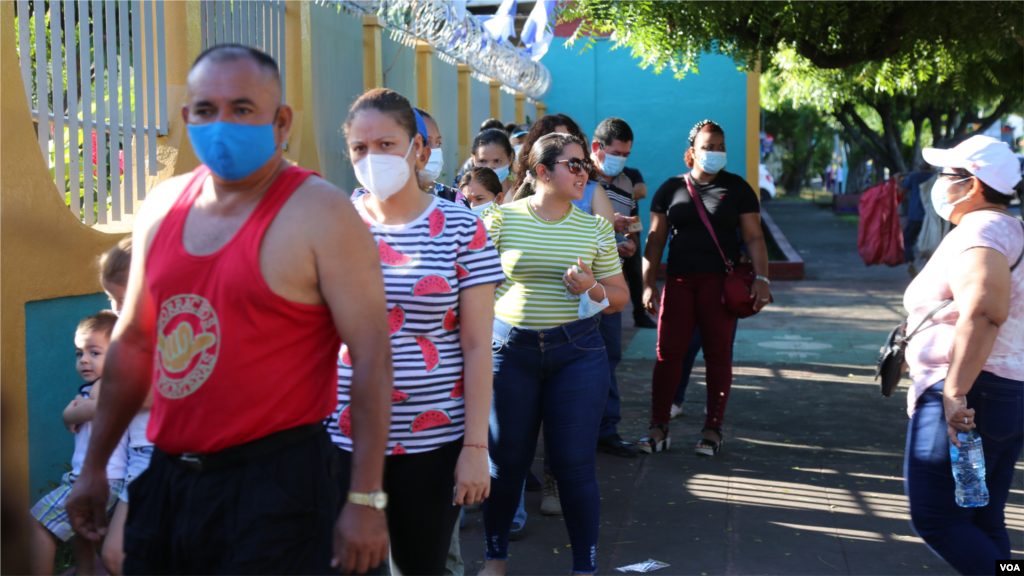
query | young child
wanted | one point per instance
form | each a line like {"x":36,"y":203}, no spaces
{"x":114,"y":267}
{"x":482,"y":188}
{"x":50,"y":518}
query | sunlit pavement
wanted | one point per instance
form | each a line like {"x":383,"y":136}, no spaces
{"x":810,"y":479}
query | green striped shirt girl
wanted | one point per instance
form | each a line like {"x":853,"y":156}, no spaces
{"x":536,"y":253}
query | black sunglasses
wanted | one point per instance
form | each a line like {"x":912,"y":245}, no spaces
{"x":575,"y":165}
{"x":954,"y":175}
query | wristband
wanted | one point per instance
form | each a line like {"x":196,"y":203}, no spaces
{"x":766,"y":281}
{"x":481,"y":446}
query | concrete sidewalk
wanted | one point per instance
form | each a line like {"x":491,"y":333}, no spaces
{"x":810,"y":477}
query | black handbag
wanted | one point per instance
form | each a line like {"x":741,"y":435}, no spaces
{"x":891,"y":358}
{"x":891,"y":362}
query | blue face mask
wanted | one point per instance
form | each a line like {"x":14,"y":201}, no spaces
{"x":502,"y":173}
{"x":233,"y":151}
{"x":711,"y":162}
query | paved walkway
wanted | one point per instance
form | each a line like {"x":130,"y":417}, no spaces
{"x":810,"y":477}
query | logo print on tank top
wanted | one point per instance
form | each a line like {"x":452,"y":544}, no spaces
{"x":188,"y":341}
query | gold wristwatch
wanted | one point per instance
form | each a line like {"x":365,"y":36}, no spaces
{"x":378,"y":500}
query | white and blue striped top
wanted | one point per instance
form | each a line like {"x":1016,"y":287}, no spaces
{"x":426,"y":262}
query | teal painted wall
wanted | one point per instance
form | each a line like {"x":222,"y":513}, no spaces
{"x":508,"y":107}
{"x":399,"y":66}
{"x":446,"y":113}
{"x":480,"y":105}
{"x":661,"y":110}
{"x":531,"y":111}
{"x":52,"y":382}
{"x":337,"y":60}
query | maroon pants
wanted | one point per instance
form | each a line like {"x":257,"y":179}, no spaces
{"x":691,"y":300}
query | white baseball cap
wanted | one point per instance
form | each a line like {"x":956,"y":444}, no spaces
{"x":983,"y":156}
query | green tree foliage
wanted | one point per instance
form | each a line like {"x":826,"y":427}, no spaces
{"x":830,"y":35}
{"x":945,"y":67}
{"x":803,"y":144}
{"x":942,"y":100}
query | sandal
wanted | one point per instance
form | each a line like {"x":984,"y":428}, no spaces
{"x":652,"y":446}
{"x":707,"y":447}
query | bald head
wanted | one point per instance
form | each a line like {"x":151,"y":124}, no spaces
{"x":235,"y":56}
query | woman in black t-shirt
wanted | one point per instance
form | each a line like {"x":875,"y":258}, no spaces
{"x":696,"y":278}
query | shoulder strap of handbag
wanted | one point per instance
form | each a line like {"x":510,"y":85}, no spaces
{"x":704,"y":218}
{"x":948,"y":301}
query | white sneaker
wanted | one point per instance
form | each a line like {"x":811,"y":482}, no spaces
{"x":675,"y":411}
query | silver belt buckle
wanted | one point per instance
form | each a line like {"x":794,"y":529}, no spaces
{"x":192,"y":459}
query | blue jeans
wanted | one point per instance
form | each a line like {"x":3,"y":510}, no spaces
{"x":520,"y":517}
{"x":970,"y":539}
{"x":611,"y":333}
{"x":559,"y":377}
{"x":691,"y":357}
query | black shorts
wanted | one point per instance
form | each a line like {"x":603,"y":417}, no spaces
{"x":274,"y":514}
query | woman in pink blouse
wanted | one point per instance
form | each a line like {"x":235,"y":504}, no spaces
{"x":967,"y":361}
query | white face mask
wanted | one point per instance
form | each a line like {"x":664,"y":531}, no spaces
{"x":939,"y":200}
{"x":434,"y":166}
{"x":518,"y":148}
{"x":479,"y":208}
{"x":383,"y":174}
{"x":589,"y":307}
{"x":711,"y":162}
{"x":612,"y":165}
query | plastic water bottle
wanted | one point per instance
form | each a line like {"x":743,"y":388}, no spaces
{"x":969,"y":470}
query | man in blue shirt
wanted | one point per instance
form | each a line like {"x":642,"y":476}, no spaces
{"x":915,"y":212}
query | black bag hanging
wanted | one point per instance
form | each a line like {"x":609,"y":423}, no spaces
{"x":891,"y":358}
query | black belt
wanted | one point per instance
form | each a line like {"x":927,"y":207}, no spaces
{"x":242,"y":453}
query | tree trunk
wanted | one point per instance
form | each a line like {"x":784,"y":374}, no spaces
{"x":916,"y":160}
{"x":805,"y":163}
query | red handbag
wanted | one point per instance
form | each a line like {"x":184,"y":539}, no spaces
{"x":738,"y":277}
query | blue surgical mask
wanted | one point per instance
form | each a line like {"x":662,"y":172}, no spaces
{"x":711,"y":162}
{"x":940,"y":201}
{"x":479,"y":208}
{"x":589,"y":307}
{"x":612,"y":165}
{"x":502,"y":173}
{"x":233,"y":151}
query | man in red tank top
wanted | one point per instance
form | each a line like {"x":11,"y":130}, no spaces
{"x":253,"y":272}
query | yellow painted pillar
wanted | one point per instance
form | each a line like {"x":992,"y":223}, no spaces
{"x":373,"y":69}
{"x":753,"y":126}
{"x":45,"y":252}
{"x":301,"y":145}
{"x":174,"y":150}
{"x":495,"y":99}
{"x":520,"y":107}
{"x":542,"y":110}
{"x":465,"y":87}
{"x":425,"y":76}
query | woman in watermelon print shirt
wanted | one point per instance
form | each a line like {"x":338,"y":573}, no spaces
{"x":440,"y":273}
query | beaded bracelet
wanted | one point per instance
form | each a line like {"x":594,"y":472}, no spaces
{"x":481,"y":446}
